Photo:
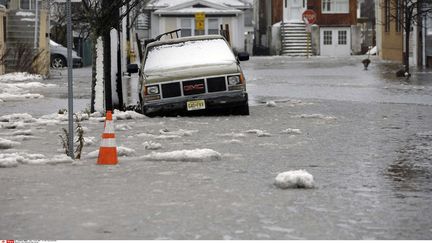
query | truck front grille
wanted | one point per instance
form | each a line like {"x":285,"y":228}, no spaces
{"x":216,"y":84}
{"x":171,"y":90}
{"x":194,"y":87}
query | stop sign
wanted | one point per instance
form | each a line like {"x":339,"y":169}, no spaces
{"x":309,"y":16}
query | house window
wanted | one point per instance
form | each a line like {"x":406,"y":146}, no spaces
{"x":186,"y":27}
{"x":27,"y":4}
{"x":398,"y":16}
{"x":143,"y":22}
{"x":335,"y":6}
{"x":327,"y":37}
{"x":387,"y":15}
{"x":213,"y":26}
{"x":342,"y":37}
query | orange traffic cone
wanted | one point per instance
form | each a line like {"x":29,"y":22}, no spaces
{"x":108,"y":148}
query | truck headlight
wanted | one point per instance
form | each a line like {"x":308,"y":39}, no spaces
{"x":233,"y":80}
{"x":152,"y":90}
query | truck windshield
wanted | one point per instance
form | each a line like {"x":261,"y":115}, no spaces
{"x":188,"y":54}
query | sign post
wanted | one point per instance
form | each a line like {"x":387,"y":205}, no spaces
{"x":70,"y":80}
{"x":200,"y":22}
{"x":309,"y":17}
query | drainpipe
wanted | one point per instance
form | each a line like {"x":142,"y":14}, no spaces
{"x":36,"y":25}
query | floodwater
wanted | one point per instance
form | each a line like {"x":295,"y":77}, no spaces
{"x":366,"y":137}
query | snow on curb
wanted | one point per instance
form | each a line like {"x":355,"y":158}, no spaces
{"x":195,"y":155}
{"x":14,"y":159}
{"x":19,"y":76}
{"x":294,"y":179}
{"x":127,"y":115}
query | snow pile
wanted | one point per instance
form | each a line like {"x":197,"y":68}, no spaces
{"x":127,"y":115}
{"x":7,"y":144}
{"x":315,"y":116}
{"x":196,"y":155}
{"x":152,"y":136}
{"x":22,"y":117}
{"x":152,"y":145}
{"x":13,"y":159}
{"x":294,"y":179}
{"x":292,"y":131}
{"x":19,"y":76}
{"x":22,"y":133}
{"x":121,"y":152}
{"x":259,"y":133}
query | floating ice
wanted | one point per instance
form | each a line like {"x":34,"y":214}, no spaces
{"x":294,"y":179}
{"x":259,"y":133}
{"x":180,"y":132}
{"x":316,"y":116}
{"x":121,"y":152}
{"x":196,"y":155}
{"x":292,"y":131}
{"x":152,"y":145}
{"x":7,"y":144}
{"x":271,"y":104}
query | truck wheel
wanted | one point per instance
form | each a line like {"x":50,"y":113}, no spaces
{"x":242,"y":110}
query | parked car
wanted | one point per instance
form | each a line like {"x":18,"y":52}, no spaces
{"x":191,"y":74}
{"x":59,"y":56}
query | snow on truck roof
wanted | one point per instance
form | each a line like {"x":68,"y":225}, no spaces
{"x":188,"y":52}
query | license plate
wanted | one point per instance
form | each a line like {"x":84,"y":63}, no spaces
{"x":196,"y":105}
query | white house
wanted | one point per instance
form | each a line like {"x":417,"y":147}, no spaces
{"x":169,"y":15}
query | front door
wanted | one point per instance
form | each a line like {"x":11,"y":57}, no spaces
{"x":294,"y":9}
{"x":335,"y":41}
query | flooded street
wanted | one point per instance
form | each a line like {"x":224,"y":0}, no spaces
{"x":365,"y":136}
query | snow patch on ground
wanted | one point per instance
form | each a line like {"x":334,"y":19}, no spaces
{"x":294,"y":179}
{"x":161,"y":137}
{"x":14,"y":159}
{"x":195,"y":155}
{"x":149,"y":145}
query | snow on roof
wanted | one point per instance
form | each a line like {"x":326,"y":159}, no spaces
{"x":198,"y":10}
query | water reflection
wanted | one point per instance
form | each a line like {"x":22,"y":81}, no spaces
{"x":412,"y":170}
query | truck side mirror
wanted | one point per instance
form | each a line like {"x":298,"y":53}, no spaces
{"x":132,"y":68}
{"x":243,"y":56}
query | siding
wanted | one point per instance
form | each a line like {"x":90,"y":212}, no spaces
{"x":334,"y":20}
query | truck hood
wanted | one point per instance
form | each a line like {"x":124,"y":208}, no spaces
{"x":191,"y":72}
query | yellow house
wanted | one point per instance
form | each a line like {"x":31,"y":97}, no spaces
{"x":390,"y":32}
{"x":27,"y":31}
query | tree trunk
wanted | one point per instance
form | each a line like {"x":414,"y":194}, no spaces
{"x":407,"y":45}
{"x":93,"y":82}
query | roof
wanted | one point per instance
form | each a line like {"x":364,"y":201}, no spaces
{"x":238,"y":4}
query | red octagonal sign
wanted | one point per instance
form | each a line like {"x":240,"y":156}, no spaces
{"x":309,"y":16}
